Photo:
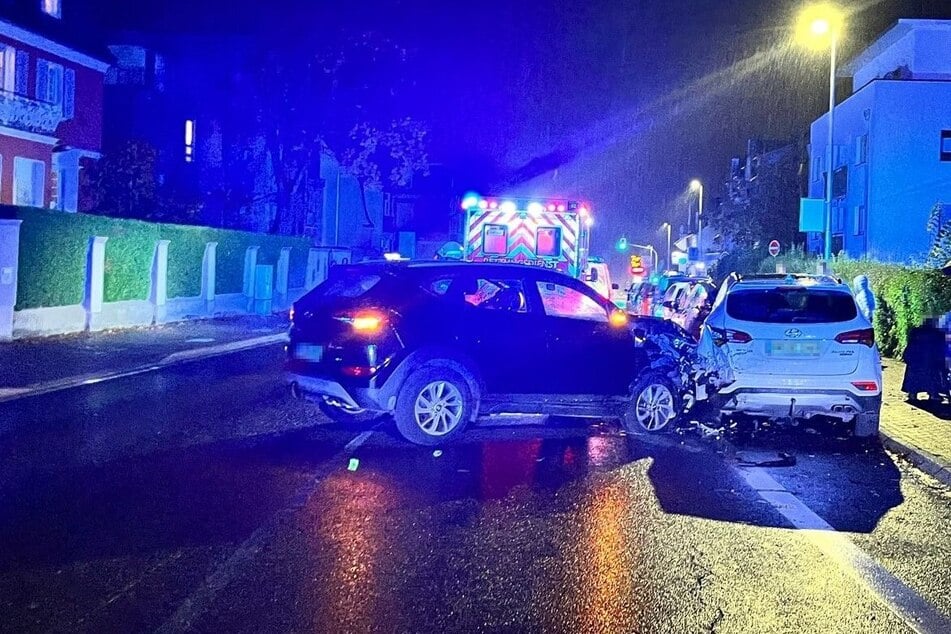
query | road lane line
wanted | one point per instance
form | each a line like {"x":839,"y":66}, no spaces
{"x":184,"y":356}
{"x":200,"y":601}
{"x":911,"y":607}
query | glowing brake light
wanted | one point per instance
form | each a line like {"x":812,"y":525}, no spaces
{"x":865,"y":336}
{"x":723,"y":336}
{"x":366,"y":322}
{"x":866,"y":386}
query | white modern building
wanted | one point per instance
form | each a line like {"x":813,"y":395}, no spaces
{"x":892,"y":145}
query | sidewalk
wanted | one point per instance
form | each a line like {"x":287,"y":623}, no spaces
{"x":920,"y":435}
{"x":46,"y":364}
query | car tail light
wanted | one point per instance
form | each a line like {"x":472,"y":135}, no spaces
{"x":365,"y":322}
{"x":865,"y":386}
{"x":358,"y":370}
{"x":723,"y":336}
{"x":865,"y":336}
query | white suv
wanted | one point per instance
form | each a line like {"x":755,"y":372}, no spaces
{"x":793,"y":347}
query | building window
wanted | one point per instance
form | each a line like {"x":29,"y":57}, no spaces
{"x":840,"y":182}
{"x":13,"y":69}
{"x":29,"y":182}
{"x":49,"y":82}
{"x":52,"y":8}
{"x":946,"y":145}
{"x":861,"y":149}
{"x":860,"y":221}
{"x":189,"y":140}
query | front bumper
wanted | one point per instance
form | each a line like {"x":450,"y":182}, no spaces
{"x":785,"y":403}
{"x":312,"y":388}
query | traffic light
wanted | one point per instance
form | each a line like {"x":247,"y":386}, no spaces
{"x":622,"y":245}
{"x":637,"y":265}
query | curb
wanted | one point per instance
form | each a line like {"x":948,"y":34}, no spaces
{"x":930,"y":464}
{"x":176,"y":358}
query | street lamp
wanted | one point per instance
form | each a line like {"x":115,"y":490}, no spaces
{"x":666,"y":226}
{"x":697,"y":186}
{"x":821,"y":25}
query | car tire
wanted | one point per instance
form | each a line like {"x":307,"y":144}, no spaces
{"x":433,"y":406}
{"x":655,"y":405}
{"x":340,"y":414}
{"x":866,"y":425}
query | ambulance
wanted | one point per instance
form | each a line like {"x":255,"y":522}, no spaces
{"x":548,"y":233}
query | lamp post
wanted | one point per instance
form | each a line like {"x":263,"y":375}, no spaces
{"x":697,"y":186}
{"x":820,"y":26}
{"x":666,"y":226}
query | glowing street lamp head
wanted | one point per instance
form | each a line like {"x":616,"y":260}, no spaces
{"x":819,"y":24}
{"x":695,"y":185}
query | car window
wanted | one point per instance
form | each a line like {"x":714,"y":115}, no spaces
{"x":562,"y":301}
{"x":497,"y":294}
{"x":345,"y":283}
{"x":791,"y":305}
{"x":683,"y":299}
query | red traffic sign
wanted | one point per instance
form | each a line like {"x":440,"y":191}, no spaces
{"x":774,"y":248}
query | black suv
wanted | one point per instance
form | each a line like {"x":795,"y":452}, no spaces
{"x":437,"y":344}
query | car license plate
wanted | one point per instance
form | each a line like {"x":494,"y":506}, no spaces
{"x":309,"y":352}
{"x":792,"y":348}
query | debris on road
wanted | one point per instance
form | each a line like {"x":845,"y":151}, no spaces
{"x":784,"y":460}
{"x":437,"y":453}
{"x":354,"y":464}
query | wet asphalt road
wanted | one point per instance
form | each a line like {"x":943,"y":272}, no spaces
{"x":200,"y":498}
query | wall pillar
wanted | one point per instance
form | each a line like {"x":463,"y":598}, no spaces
{"x":209,"y":264}
{"x":250,"y":263}
{"x":313,"y":265}
{"x":95,"y":281}
{"x":159,"y":294}
{"x":283,"y":274}
{"x":9,"y":258}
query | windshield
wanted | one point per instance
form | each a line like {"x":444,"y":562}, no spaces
{"x":791,"y":306}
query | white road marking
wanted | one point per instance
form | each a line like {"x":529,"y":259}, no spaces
{"x":200,"y":601}
{"x":911,"y":607}
{"x":185,"y":356}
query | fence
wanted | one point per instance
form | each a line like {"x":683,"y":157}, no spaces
{"x":63,"y":273}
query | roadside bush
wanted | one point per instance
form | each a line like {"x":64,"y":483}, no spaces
{"x":54,"y":248}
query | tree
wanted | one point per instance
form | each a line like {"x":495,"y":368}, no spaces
{"x":764,"y":208}
{"x":123,"y":183}
{"x":939,"y":228}
{"x":349,"y":100}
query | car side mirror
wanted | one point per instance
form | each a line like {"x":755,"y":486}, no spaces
{"x":669,"y":305}
{"x":615,"y":287}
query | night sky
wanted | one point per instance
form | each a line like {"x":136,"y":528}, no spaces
{"x":618,"y":103}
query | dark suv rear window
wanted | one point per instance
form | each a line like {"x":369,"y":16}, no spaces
{"x":791,"y":305}
{"x":349,"y":284}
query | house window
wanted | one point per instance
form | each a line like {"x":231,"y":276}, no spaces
{"x":946,"y":145}
{"x":49,"y":82}
{"x":53,"y":8}
{"x":860,"y":220}
{"x":861,"y":149}
{"x":840,"y":182}
{"x":29,"y":182}
{"x":189,"y":140}
{"x":13,"y":69}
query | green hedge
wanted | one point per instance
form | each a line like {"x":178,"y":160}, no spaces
{"x":904,"y":295}
{"x":54,"y":247}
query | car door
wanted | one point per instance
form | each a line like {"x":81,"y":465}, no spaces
{"x":498,"y":328}
{"x":586,"y":353}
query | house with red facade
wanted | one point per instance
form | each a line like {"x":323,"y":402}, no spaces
{"x":51,"y":105}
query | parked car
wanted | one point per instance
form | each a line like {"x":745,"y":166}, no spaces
{"x":794,"y":347}
{"x":696,"y":307}
{"x":675,"y":299}
{"x":641,"y":297}
{"x":437,"y":344}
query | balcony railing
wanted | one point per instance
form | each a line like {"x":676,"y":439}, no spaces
{"x":23,"y":113}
